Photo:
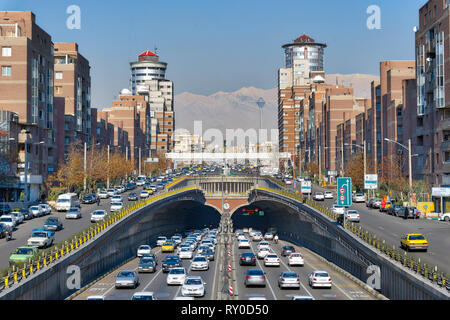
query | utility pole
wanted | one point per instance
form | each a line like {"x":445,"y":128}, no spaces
{"x":410,"y":172}
{"x":26,"y":168}
{"x":139,"y":160}
{"x":107,"y":180}
{"x":320,"y":167}
{"x":365,"y":168}
{"x":84,"y":180}
{"x":342,"y":155}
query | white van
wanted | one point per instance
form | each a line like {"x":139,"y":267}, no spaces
{"x":66,"y":201}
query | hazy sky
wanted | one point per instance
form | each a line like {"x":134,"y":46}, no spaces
{"x":223,"y":45}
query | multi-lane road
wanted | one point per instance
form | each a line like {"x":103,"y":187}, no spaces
{"x":391,"y":228}
{"x":343,"y":288}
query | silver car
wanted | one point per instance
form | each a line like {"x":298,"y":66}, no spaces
{"x":73,"y":213}
{"x":193,"y":286}
{"x":289,"y":279}
{"x":127,"y":279}
{"x":200,"y":263}
{"x":255,"y":277}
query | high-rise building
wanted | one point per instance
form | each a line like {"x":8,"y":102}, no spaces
{"x":26,"y":88}
{"x":148,"y":80}
{"x":73,"y":83}
{"x":433,"y":93}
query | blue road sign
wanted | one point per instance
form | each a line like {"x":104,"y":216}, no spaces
{"x":344,"y":192}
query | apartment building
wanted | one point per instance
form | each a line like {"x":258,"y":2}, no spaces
{"x":433,"y":93}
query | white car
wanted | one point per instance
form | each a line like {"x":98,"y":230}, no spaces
{"x":337,"y":209}
{"x":193,"y":286}
{"x":296,"y":259}
{"x":268,"y":236}
{"x":200,"y":263}
{"x":359,"y":197}
{"x":73,"y":213}
{"x":186,"y":253}
{"x":103,"y":194}
{"x":244,"y":243}
{"x":319,"y":196}
{"x":98,"y":215}
{"x":176,"y":276}
{"x":144,"y":295}
{"x":111,"y":192}
{"x":257,"y":237}
{"x":262,"y":253}
{"x":271,"y":260}
{"x":241,"y":237}
{"x":18,"y":216}
{"x":288,"y":182}
{"x":144,"y":194}
{"x":263,"y":244}
{"x":116,"y":198}
{"x":140,"y":182}
{"x":40,"y":239}
{"x":445,"y":217}
{"x":328,"y":195}
{"x":8,"y":220}
{"x":184,"y":298}
{"x":181,"y":246}
{"x":320,"y":279}
{"x":36,"y":211}
{"x":46,"y":208}
{"x":353,"y":216}
{"x":144,"y":249}
{"x":116,"y":206}
{"x":161,"y":240}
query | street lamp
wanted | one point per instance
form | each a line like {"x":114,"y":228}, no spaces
{"x":409,"y":162}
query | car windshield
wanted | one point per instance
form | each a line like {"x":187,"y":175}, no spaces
{"x":24,"y":251}
{"x":98,"y":213}
{"x":6,"y":219}
{"x":146,"y":260}
{"x":144,"y":248}
{"x":194,"y":281}
{"x":142,"y":297}
{"x":73,"y":210}
{"x":63,"y":200}
{"x":288,"y":248}
{"x":172,"y":258}
{"x":39,"y":234}
{"x":34,"y":208}
{"x":127,"y":274}
{"x":352,"y":212}
{"x":176,"y":271}
{"x":162,"y":238}
{"x":255,"y":273}
{"x":289,"y":275}
{"x":199,"y":259}
{"x":272,"y":256}
{"x":321,"y":274}
{"x":248,"y":254}
{"x":116,"y":204}
{"x":416,"y":237}
{"x":244,"y":240}
{"x":52,"y":220}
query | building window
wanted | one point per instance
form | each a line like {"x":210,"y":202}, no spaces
{"x":6,"y":51}
{"x":58,"y":75}
{"x":6,"y":71}
{"x":58,"y":90}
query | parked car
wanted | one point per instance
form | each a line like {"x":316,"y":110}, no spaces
{"x":387,"y":205}
{"x":320,"y":279}
{"x":376,"y":204}
{"x":127,"y":278}
{"x":255,"y":277}
{"x":18,"y":216}
{"x":36,"y":211}
{"x":53,"y":223}
{"x":393,"y":210}
{"x":289,"y":279}
{"x":4,"y":208}
{"x":8,"y":220}
{"x":26,"y":214}
{"x":193,"y":286}
{"x":445,"y":217}
{"x":407,"y":212}
{"x":73,"y":213}
{"x":45,"y":208}
{"x":369,"y":202}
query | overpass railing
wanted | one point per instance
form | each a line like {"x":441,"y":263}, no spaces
{"x":420,"y":266}
{"x":19,"y":271}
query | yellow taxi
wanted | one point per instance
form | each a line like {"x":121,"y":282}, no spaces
{"x":167,"y":247}
{"x":414,"y":241}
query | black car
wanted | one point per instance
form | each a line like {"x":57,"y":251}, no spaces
{"x":132,"y":196}
{"x":393,"y":210}
{"x":53,"y":223}
{"x":287,"y":250}
{"x":88,"y":199}
{"x":130,"y":186}
{"x":3,"y":229}
{"x":407,"y":212}
{"x":171,"y":262}
{"x":248,"y":259}
{"x":147,"y":264}
{"x":27,"y":215}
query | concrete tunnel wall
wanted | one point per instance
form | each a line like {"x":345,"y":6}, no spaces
{"x":120,"y":243}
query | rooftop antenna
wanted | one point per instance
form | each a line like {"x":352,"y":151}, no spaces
{"x":156,"y":50}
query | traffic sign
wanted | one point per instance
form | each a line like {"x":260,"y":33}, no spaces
{"x":370,"y":181}
{"x":344,"y":191}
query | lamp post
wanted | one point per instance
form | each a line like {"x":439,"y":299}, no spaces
{"x":107,"y":179}
{"x":409,"y":163}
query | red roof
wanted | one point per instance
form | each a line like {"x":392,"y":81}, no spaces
{"x":148,"y":53}
{"x":304,"y":38}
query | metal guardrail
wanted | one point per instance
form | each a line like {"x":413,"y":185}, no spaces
{"x":419,"y":266}
{"x":20,"y":271}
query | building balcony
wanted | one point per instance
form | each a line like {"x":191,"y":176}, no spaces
{"x":445,"y":145}
{"x":445,"y":124}
{"x":445,"y":168}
